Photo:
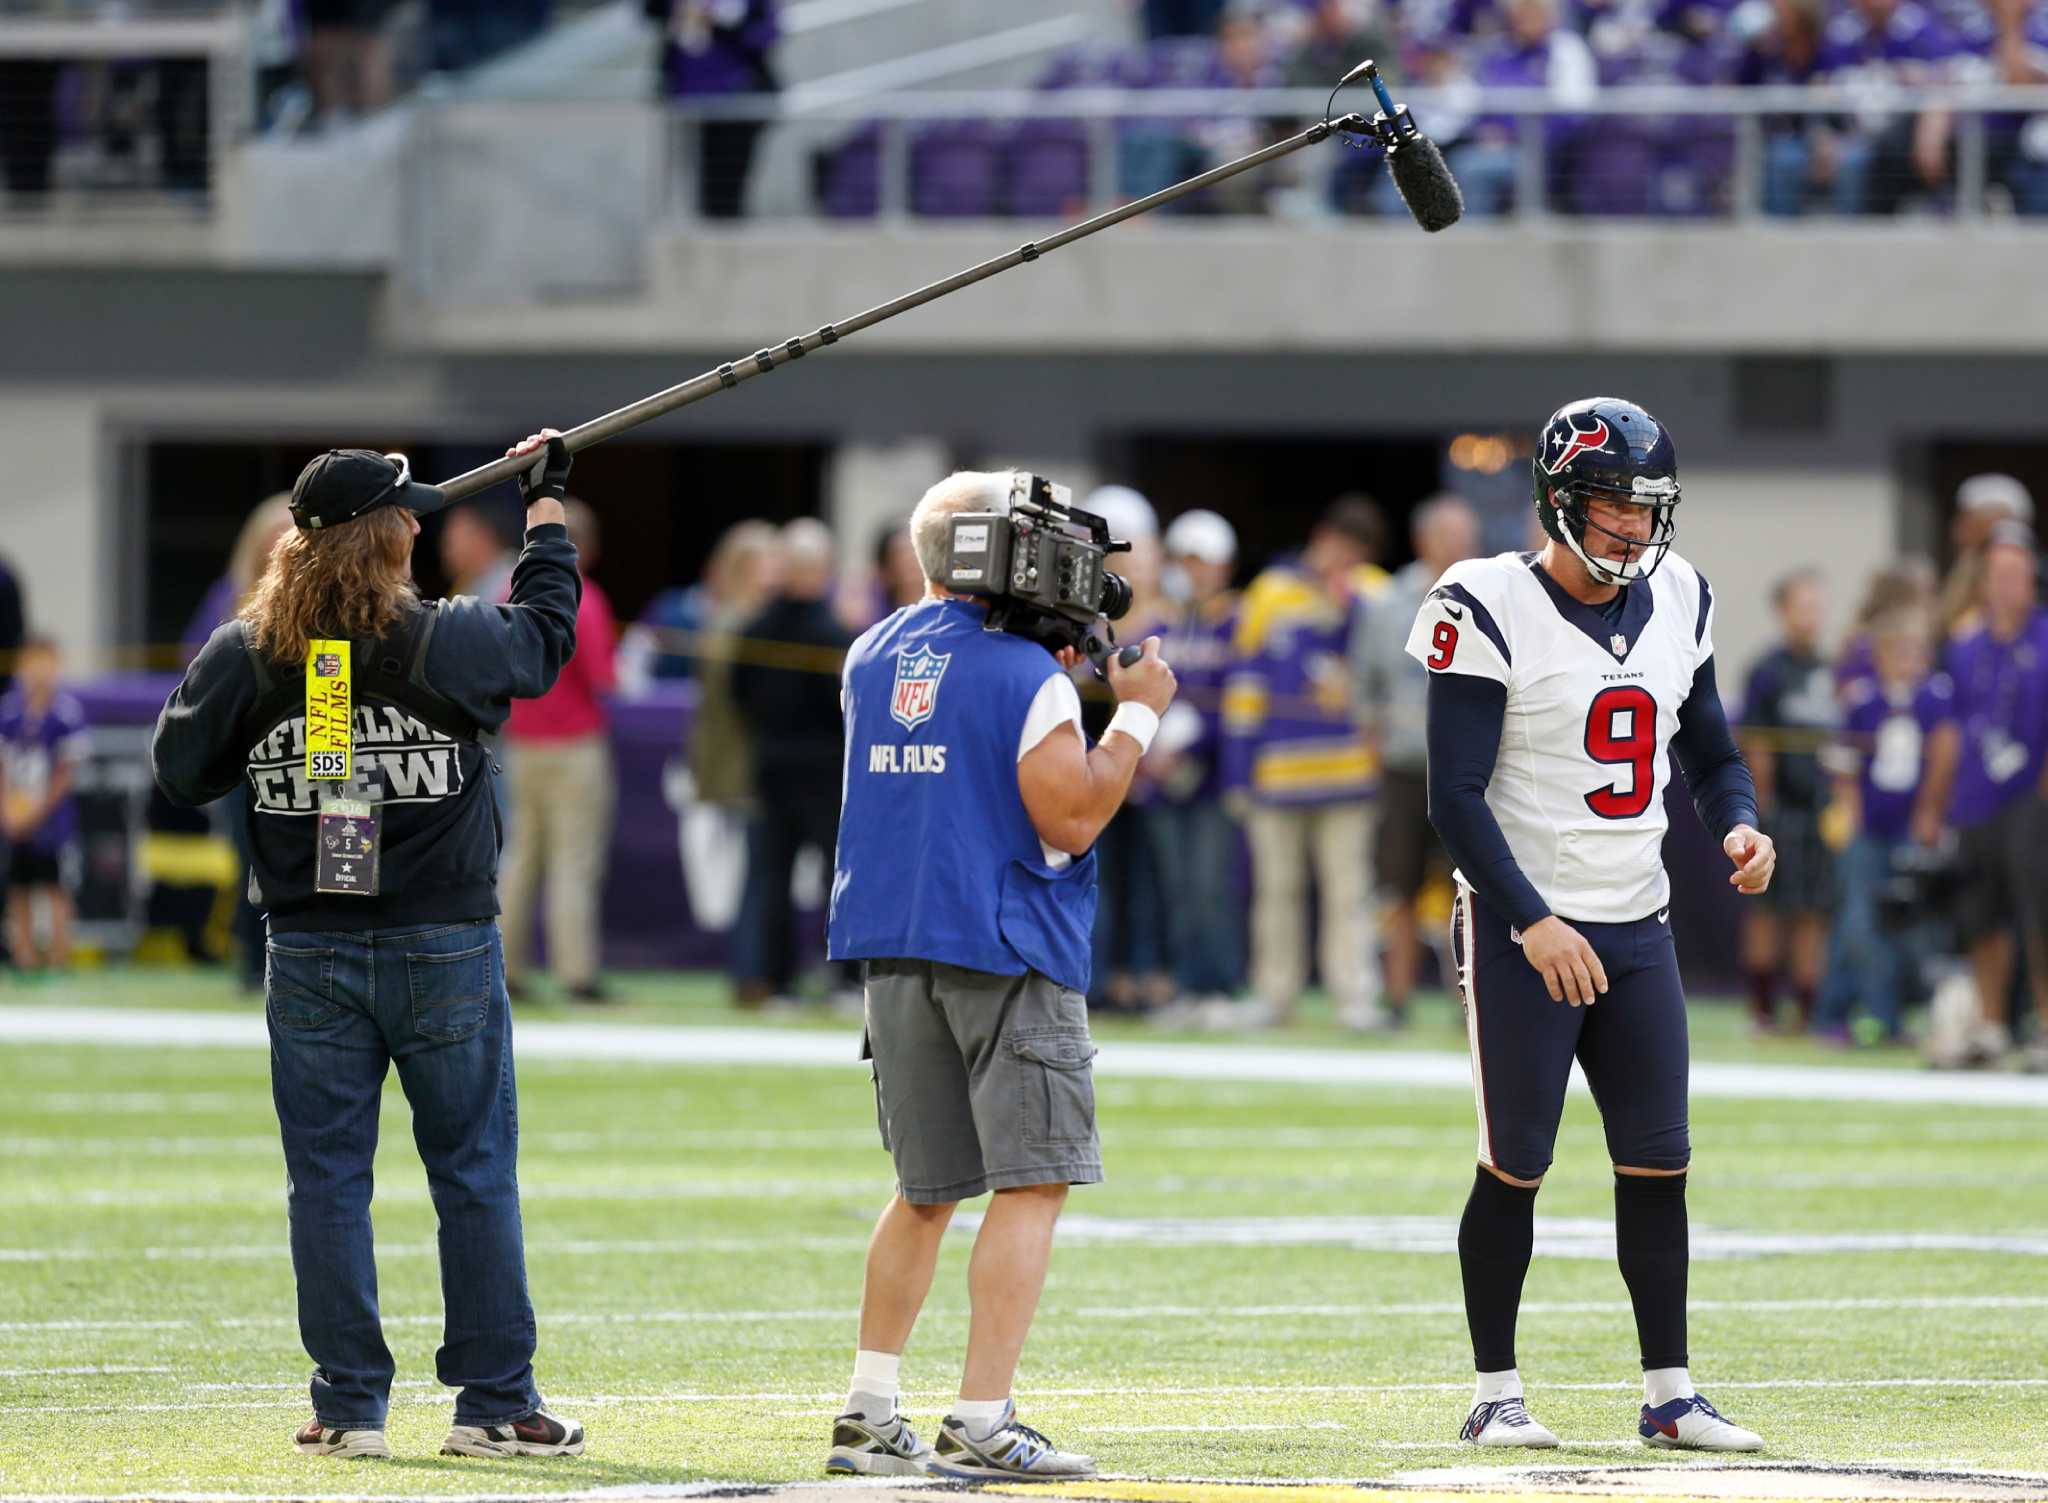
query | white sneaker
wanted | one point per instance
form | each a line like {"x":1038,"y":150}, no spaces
{"x":888,"y":1449}
{"x":1010,"y":1450}
{"x":539,"y":1434}
{"x":1692,"y":1424}
{"x":1365,"y":1016}
{"x":1249,"y":1015}
{"x":315,"y":1439}
{"x":1505,"y":1422}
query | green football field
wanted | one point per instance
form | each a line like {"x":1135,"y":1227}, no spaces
{"x":1265,"y":1289}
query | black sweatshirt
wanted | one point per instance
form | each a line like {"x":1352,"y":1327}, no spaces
{"x":1466,"y":714}
{"x":440,"y":823}
{"x":786,"y":684}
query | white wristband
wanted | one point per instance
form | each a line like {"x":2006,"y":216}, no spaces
{"x":1139,"y":722}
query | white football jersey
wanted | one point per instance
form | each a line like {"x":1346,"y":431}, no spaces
{"x":1578,"y":787}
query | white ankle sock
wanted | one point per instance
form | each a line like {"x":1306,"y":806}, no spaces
{"x":979,"y":1417}
{"x":1663,"y":1384}
{"x":1501,"y":1385}
{"x":874,"y":1385}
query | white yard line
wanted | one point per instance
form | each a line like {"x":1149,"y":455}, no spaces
{"x":1588,"y":1239}
{"x":1558,"y":1237}
{"x":797,"y":1048}
{"x":1049,"y":1396}
{"x":1421,"y":1309}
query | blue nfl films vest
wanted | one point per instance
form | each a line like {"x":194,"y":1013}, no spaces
{"x":938,"y":859}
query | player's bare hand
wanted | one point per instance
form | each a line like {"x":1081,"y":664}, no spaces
{"x":1149,"y":681}
{"x":1755,"y":856}
{"x":1567,"y":963}
{"x":1068,"y":658}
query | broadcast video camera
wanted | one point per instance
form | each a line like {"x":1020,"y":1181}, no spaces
{"x":1040,"y":566}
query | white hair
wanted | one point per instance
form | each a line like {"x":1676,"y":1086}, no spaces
{"x":963,"y":490}
{"x":807,"y":542}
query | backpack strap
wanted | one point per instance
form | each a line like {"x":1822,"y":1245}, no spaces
{"x":392,"y":669}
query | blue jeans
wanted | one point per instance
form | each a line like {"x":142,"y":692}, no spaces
{"x":1196,"y":846}
{"x":342,"y":1008}
{"x":1868,"y":964}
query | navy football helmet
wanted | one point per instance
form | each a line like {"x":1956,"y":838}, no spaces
{"x":1606,"y":449}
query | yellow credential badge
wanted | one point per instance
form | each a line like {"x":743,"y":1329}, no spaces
{"x":330,"y":711}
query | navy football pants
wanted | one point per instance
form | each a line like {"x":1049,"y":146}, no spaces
{"x":1631,"y":1043}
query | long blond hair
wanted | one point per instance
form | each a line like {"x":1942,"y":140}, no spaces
{"x":350,"y":580}
{"x":254,"y":544}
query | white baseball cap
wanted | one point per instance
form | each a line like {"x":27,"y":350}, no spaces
{"x":1996,"y":493}
{"x":1204,"y":535}
{"x":1130,"y":515}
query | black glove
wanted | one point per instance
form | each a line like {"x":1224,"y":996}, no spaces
{"x":549,"y":475}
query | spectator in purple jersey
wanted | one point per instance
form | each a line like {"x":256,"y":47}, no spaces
{"x":1534,"y":53}
{"x":1886,"y":722}
{"x":1879,"y":46}
{"x":1195,"y":842}
{"x":711,"y":48}
{"x":1800,"y":151}
{"x":2017,"y":144}
{"x":1908,"y":584}
{"x":42,"y":742}
{"x":1985,"y":780}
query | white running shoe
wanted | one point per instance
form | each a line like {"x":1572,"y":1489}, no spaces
{"x":1692,"y":1424}
{"x":1505,"y":1422}
{"x":886,"y":1449}
{"x":315,"y":1439}
{"x":1010,"y":1450}
{"x":539,"y":1434}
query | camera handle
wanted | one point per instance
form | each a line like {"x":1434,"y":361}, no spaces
{"x":1100,"y":643}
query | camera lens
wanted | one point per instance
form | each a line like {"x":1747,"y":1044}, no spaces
{"x":1116,"y":596}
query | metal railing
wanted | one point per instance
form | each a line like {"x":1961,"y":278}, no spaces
{"x":154,"y":98}
{"x":1710,"y":152}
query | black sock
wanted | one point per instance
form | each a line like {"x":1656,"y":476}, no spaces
{"x":1763,"y":996}
{"x":1495,"y":1238}
{"x":1652,"y":1243}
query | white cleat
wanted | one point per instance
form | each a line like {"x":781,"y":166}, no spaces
{"x":1504,"y":1422}
{"x":1692,"y":1424}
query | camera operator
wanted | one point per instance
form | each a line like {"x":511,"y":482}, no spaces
{"x":351,"y":710}
{"x":966,"y":880}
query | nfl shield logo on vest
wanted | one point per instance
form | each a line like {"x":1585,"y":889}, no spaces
{"x":917,"y":686}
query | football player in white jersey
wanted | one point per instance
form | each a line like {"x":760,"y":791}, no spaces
{"x":1559,"y":684}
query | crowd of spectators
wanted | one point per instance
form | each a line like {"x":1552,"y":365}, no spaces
{"x":1880,"y":156}
{"x":1276,"y":834}
{"x":1904,"y":776}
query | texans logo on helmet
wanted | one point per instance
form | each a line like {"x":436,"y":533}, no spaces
{"x":917,"y":686}
{"x":1576,"y":443}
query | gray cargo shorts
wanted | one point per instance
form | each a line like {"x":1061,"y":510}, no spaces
{"x":982,"y":1082}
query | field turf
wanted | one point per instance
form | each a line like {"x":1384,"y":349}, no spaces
{"x":1263,"y":1290}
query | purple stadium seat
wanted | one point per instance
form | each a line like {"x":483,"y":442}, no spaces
{"x":1046,"y":169}
{"x":955,"y":169}
{"x":850,"y":176}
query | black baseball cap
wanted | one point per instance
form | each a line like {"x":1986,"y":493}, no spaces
{"x":344,"y":484}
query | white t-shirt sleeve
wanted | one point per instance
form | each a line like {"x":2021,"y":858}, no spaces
{"x":1057,"y":703}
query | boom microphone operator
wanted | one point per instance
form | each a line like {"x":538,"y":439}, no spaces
{"x":1418,"y":169}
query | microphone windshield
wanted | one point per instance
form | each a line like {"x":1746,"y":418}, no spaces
{"x":1425,"y":183}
